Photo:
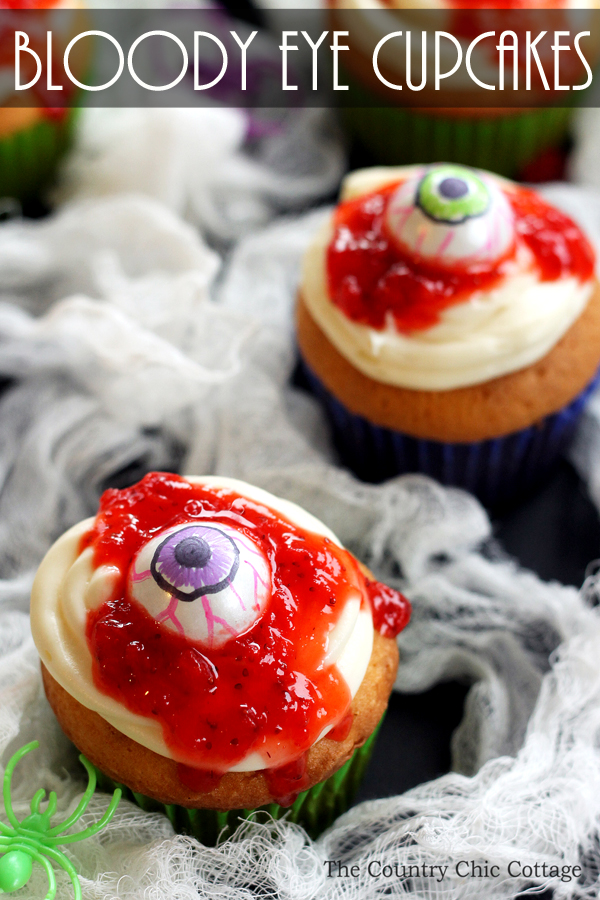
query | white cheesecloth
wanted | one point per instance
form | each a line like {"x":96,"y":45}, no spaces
{"x":126,"y":344}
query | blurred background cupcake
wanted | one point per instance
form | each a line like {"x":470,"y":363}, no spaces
{"x":516,"y":142}
{"x":449,"y":320}
{"x":34,"y":135}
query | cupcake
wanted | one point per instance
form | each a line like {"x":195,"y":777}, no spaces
{"x":34,"y":134}
{"x":425,"y":125}
{"x":215,"y":650}
{"x":449,"y":320}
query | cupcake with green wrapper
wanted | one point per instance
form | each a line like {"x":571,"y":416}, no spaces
{"x":36,"y":125}
{"x":215,"y":651}
{"x":400,"y":127}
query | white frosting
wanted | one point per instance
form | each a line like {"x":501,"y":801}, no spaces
{"x":67,"y":586}
{"x":494,"y":332}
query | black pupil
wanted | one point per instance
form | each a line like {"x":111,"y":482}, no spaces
{"x":453,"y":188}
{"x":192,"y":553}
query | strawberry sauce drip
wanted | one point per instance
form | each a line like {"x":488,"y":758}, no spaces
{"x":286,"y":782}
{"x":266,"y":690}
{"x":369,"y":278}
{"x":342,"y":729}
{"x":391,"y":610}
{"x":201,"y":780}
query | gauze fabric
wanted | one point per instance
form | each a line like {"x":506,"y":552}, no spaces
{"x":126,"y":345}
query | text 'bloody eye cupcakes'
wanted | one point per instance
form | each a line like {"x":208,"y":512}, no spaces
{"x":479,"y":113}
{"x":450,"y":322}
{"x":216,"y":650}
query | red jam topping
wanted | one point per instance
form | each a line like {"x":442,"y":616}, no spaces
{"x":370,"y":278}
{"x":389,"y":617}
{"x":263,"y":690}
{"x":286,"y":782}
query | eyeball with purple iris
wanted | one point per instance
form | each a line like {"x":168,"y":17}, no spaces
{"x":451,"y":216}
{"x":206,"y":582}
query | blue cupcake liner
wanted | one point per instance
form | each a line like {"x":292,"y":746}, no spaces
{"x":495,"y":470}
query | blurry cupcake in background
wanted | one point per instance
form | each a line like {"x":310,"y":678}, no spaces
{"x":33,"y":134}
{"x":449,"y":320}
{"x":413,"y":126}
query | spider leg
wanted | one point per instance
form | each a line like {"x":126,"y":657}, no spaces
{"x":93,"y":829}
{"x":51,"y":879}
{"x":37,"y":799}
{"x":8,"y":773}
{"x":65,"y":863}
{"x":51,"y":808}
{"x":5,"y":831}
{"x":81,"y":806}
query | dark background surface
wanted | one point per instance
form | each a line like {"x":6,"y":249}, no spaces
{"x":556,"y":533}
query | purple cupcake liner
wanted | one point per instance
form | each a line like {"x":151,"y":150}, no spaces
{"x":496,"y":470}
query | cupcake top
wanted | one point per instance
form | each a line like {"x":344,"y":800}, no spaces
{"x":439,"y":277}
{"x":211,"y":622}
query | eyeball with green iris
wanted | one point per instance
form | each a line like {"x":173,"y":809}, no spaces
{"x":451,"y":216}
{"x":205,"y":580}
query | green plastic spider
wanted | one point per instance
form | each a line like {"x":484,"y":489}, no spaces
{"x":32,"y":840}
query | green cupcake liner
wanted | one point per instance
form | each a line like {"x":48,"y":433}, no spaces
{"x":501,"y":143}
{"x":315,"y":809}
{"x":29,"y":156}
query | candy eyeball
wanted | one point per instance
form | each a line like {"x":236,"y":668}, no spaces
{"x":196,"y":560}
{"x":208,"y":582}
{"x":451,"y":216}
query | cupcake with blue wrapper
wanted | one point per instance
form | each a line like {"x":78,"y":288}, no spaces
{"x":450,"y":322}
